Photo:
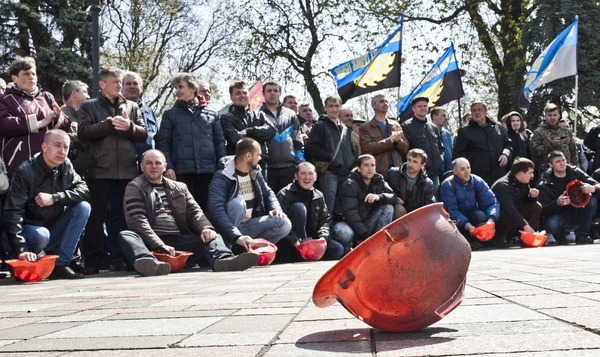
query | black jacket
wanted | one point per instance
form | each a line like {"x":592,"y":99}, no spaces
{"x":422,"y":193}
{"x":511,"y":194}
{"x":255,"y":123}
{"x":31,"y":178}
{"x":521,"y":145}
{"x":425,"y":136}
{"x":592,"y":141}
{"x":549,"y":193}
{"x":286,"y":147}
{"x":483,"y":147}
{"x":322,"y":142}
{"x":317,"y":210}
{"x":351,"y":201}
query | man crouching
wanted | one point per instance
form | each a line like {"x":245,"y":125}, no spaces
{"x":162,"y":215}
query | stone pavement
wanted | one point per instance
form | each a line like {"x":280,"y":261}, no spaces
{"x":519,"y":302}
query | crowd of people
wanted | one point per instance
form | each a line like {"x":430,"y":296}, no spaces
{"x":102,"y":182}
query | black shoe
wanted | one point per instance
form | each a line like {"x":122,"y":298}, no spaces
{"x":117,"y":265}
{"x":148,"y":266}
{"x":584,"y":239}
{"x":236,"y":263}
{"x":501,"y":244}
{"x":91,"y":270}
{"x":475,"y":245}
{"x":64,"y":273}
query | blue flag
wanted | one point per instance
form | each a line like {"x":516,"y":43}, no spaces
{"x":441,"y":85}
{"x":378,"y":69}
{"x":558,"y":60}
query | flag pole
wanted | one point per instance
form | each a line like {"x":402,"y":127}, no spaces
{"x":576,"y":104}
{"x":400,"y":62}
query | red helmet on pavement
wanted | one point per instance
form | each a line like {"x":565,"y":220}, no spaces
{"x":533,"y":240}
{"x":265,"y":250}
{"x":177,"y":262}
{"x":33,"y":271}
{"x":313,"y":249}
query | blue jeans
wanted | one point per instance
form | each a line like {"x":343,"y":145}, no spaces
{"x":62,"y":237}
{"x":436,"y":181}
{"x":270,"y":228}
{"x":376,"y":220}
{"x":298,"y":216}
{"x":329,"y":186}
{"x":476,"y":218}
{"x":578,"y":220}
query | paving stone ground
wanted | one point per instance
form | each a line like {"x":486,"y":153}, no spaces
{"x":541,"y":302}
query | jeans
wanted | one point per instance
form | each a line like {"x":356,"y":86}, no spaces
{"x":476,"y":218}
{"x":436,"y":181}
{"x":198,"y":187}
{"x":278,"y":178}
{"x":578,"y":220}
{"x":270,"y":228}
{"x":93,"y":247}
{"x":329,"y":186}
{"x":62,"y":237}
{"x":376,"y":220}
{"x":134,"y":248}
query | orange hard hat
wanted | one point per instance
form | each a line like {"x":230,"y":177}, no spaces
{"x":33,"y":271}
{"x":485,"y":231}
{"x":405,"y":277}
{"x":177,"y":262}
{"x":533,"y":240}
{"x":577,"y":197}
{"x":313,"y":249}
{"x":266,"y":251}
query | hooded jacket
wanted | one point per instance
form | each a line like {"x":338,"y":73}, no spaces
{"x":422,"y":193}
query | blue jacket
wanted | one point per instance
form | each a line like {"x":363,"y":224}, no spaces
{"x":192,"y":142}
{"x":224,"y":187}
{"x":447,"y":142}
{"x":287,"y":147}
{"x":462,"y":200}
{"x":151,"y":127}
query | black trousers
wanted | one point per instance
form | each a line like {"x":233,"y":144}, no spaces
{"x":279,"y":178}
{"x":198,"y":186}
{"x":96,"y":248}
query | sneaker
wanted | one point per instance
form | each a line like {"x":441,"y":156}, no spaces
{"x":236,"y":263}
{"x":148,"y":266}
{"x":584,"y":239}
{"x":64,"y":272}
{"x":550,"y":240}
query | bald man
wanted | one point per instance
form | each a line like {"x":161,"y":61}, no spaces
{"x":469,"y":200}
{"x":46,"y":209}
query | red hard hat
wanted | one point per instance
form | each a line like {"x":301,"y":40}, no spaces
{"x":485,"y":231}
{"x":312,"y":249}
{"x":266,"y":251}
{"x":33,"y":271}
{"x":177,"y":262}
{"x":577,"y":197}
{"x":533,"y":240}
{"x":405,"y":277}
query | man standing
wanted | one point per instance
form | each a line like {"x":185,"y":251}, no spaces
{"x":439,"y":118}
{"x":133,"y":90}
{"x":285,"y":151}
{"x":519,"y":136}
{"x":485,"y":144}
{"x":204,"y":90}
{"x":306,"y":209}
{"x":2,"y":86}
{"x":549,"y":136}
{"x":74,"y":93}
{"x":330,"y":147}
{"x":111,"y":125}
{"x":242,"y":206}
{"x":423,"y":135}
{"x":411,"y":184}
{"x":468,"y":200}
{"x":175,"y":222}
{"x":347,"y":117}
{"x":290,"y":102}
{"x":26,"y":113}
{"x":560,"y":217}
{"x":307,"y":120}
{"x":383,"y":138}
{"x":241,"y":121}
{"x":519,"y":207}
{"x":45,"y":206}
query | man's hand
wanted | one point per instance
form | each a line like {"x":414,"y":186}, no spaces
{"x":28,"y":256}
{"x":242,"y":132}
{"x":170,"y":174}
{"x":170,"y":250}
{"x":208,"y":235}
{"x":534,"y":192}
{"x":396,"y":136}
{"x":121,"y":123}
{"x":587,"y":188}
{"x":503,"y":160}
{"x":400,"y":201}
{"x":558,"y":141}
{"x":563,"y":200}
{"x":277,"y":213}
{"x":469,"y":227}
{"x":44,"y":199}
{"x":528,"y":229}
{"x":244,"y":241}
{"x":371,"y":198}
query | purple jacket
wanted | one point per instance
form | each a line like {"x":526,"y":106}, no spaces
{"x":21,"y":138}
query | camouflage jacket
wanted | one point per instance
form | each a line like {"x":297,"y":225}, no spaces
{"x":541,"y":144}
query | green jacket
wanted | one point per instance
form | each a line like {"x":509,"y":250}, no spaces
{"x":541,"y":144}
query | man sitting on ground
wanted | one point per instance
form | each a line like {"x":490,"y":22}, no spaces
{"x":365,"y":202}
{"x":162,"y":215}
{"x":519,"y":207}
{"x":468,"y":200}
{"x":559,"y":215}
{"x":45,"y":209}
{"x":411,"y":184}
{"x":306,"y":209}
{"x":242,"y":206}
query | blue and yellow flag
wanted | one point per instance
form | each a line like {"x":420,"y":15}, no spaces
{"x":378,"y":69}
{"x":441,"y":85}
{"x":558,"y":60}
